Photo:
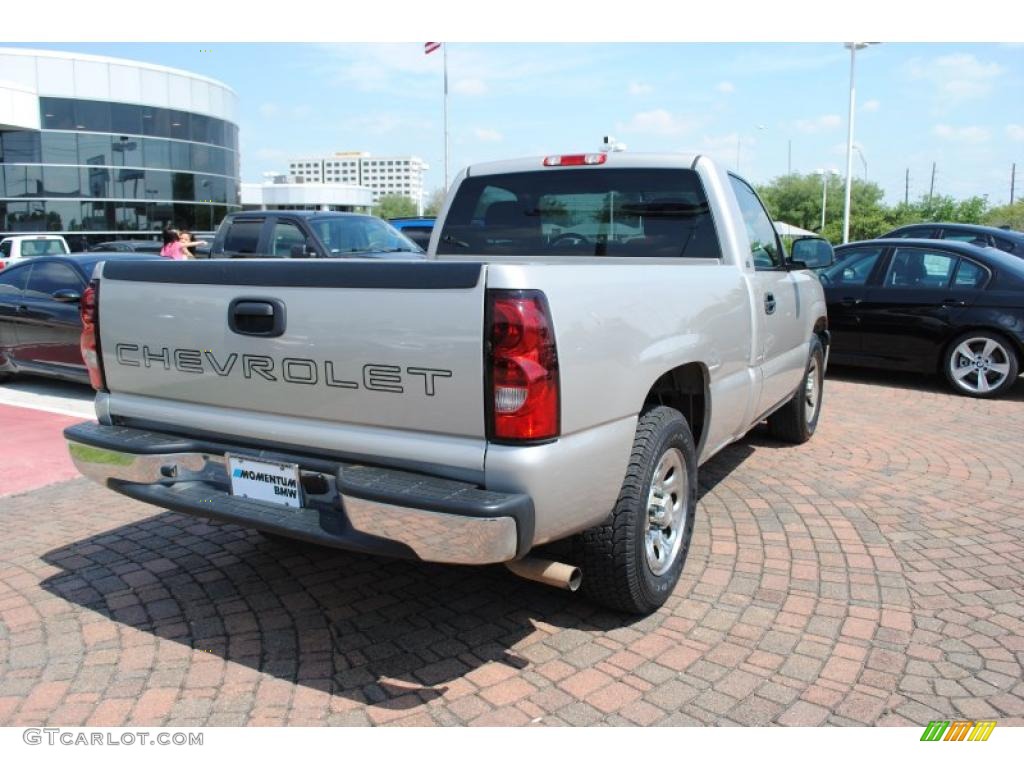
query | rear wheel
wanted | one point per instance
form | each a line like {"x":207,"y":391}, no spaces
{"x":632,"y":561}
{"x":796,"y":421}
{"x":981,"y":364}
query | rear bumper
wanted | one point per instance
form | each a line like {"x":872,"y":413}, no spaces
{"x":361,"y":508}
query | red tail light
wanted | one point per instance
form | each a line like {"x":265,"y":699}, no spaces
{"x":523,"y":386}
{"x":90,"y":343}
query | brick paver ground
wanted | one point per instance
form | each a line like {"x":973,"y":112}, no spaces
{"x":874,"y":575}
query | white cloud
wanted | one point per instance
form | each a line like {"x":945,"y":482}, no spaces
{"x":470,"y":86}
{"x":640,"y":89}
{"x":656,"y":121}
{"x":871,"y":105}
{"x":1015,"y":132}
{"x":817,"y":124}
{"x":487,"y":134}
{"x":957,"y":77}
{"x":725,"y":87}
{"x":969,"y":134}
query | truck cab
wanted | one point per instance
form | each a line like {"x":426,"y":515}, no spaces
{"x":26,"y":246}
{"x":309,"y":235}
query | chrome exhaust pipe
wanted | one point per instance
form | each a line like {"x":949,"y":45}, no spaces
{"x":550,"y":572}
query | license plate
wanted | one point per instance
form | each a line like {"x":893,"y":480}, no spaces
{"x":265,"y":481}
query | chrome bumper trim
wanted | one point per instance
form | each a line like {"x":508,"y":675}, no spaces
{"x":432,"y":536}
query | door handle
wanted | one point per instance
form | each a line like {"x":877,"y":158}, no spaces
{"x":949,"y":303}
{"x":769,"y":303}
{"x":22,"y":309}
{"x":849,"y":301}
{"x":257,"y":317}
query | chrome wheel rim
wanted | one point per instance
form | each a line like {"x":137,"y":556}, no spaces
{"x":979,"y":365}
{"x":812,"y":391}
{"x":667,"y":500}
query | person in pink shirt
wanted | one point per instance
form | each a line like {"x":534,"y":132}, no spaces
{"x":172,"y":246}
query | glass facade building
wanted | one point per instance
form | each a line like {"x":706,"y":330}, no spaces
{"x":98,"y":169}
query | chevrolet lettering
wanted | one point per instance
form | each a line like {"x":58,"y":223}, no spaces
{"x":586,"y":331}
{"x":294,"y":370}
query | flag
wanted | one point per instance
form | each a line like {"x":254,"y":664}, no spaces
{"x":429,"y":48}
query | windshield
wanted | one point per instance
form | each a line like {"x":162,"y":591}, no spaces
{"x":660,"y":213}
{"x":42,"y":247}
{"x":361,"y":234}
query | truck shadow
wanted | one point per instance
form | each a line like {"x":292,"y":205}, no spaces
{"x":386,"y":632}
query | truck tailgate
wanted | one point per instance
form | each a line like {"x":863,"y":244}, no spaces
{"x":369,"y":344}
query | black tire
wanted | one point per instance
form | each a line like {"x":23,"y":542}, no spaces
{"x":616,"y":569}
{"x":792,"y":423}
{"x":1004,"y":356}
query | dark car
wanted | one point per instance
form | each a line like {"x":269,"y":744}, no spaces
{"x":922,"y":305}
{"x":417,"y":228}
{"x":309,"y":234}
{"x":975,"y":234}
{"x":39,"y":318}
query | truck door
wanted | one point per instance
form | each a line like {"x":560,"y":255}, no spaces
{"x":781,"y":351}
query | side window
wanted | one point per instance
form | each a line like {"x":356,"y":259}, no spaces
{"x":284,"y":237}
{"x":964,"y":236}
{"x":1003,"y":245}
{"x":12,"y":282}
{"x":854,"y":269}
{"x":5,"y":249}
{"x":970,"y":275}
{"x":920,"y":232}
{"x":49,"y":277}
{"x":764,"y":243}
{"x":243,"y":236}
{"x":919,"y":268}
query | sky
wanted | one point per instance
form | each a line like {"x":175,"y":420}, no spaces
{"x":960,"y":106}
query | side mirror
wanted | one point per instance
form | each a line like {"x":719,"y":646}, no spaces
{"x":810,"y":253}
{"x":66,"y":296}
{"x":305,"y":251}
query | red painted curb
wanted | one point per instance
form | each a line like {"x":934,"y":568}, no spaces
{"x":35,"y":453}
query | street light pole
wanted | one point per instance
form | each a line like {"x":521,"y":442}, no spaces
{"x":824,"y":199}
{"x":865,"y":162}
{"x":825,"y":174}
{"x":849,"y":138}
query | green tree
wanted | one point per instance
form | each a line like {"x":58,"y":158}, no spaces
{"x":1011,"y":216}
{"x":796,"y":199}
{"x":435,"y":201}
{"x":395,"y":206}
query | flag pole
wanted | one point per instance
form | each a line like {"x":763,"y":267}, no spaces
{"x":444,"y":51}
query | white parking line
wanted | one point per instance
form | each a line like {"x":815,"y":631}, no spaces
{"x":52,"y":396}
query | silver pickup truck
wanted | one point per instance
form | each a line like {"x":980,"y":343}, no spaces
{"x":586,"y":331}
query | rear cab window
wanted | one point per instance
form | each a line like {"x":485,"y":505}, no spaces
{"x":243,"y":237}
{"x":613,"y":212}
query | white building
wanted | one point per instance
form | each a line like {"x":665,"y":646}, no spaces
{"x":306,"y":197}
{"x":390,"y":175}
